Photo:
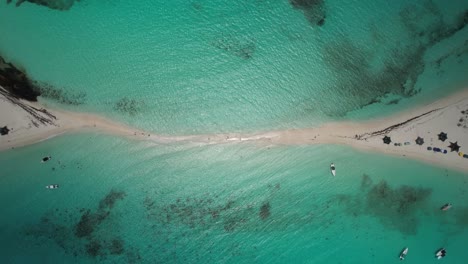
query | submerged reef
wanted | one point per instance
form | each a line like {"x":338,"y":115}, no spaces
{"x":265,"y":211}
{"x":128,"y":106}
{"x":91,"y":235}
{"x":89,"y":221}
{"x":243,"y":48}
{"x":398,"y":208}
{"x":52,"y":4}
{"x":61,"y":95}
{"x":314,"y":10}
{"x":16,"y":82}
{"x":367,"y":74}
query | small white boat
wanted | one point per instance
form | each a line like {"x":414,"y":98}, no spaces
{"x":403,"y":254}
{"x":333,"y":169}
{"x":52,"y":186}
{"x":46,"y":159}
{"x":446,"y":207}
{"x":441,"y":253}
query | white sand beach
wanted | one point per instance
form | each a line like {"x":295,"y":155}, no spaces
{"x":424,"y":121}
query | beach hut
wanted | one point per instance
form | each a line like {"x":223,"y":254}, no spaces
{"x":420,"y":141}
{"x":442,"y":136}
{"x":4,"y":130}
{"x":454,"y":146}
{"x":387,"y":140}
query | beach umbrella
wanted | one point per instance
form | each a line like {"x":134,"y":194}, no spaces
{"x":420,"y":141}
{"x":4,"y":130}
{"x":454,"y":146}
{"x":442,"y":136}
{"x":387,"y":140}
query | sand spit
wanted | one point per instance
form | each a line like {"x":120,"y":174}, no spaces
{"x":29,"y":123}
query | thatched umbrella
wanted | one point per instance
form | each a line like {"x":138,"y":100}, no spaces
{"x":387,"y":140}
{"x":442,"y":136}
{"x":420,"y":141}
{"x":4,"y":130}
{"x":454,"y":146}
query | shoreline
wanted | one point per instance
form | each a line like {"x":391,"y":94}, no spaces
{"x":425,"y":121}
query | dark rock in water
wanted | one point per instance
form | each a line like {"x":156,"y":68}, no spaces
{"x":238,"y":46}
{"x":93,"y":248}
{"x":61,"y":95}
{"x":265,"y":211}
{"x":52,"y":4}
{"x":86,"y":225}
{"x":129,"y":106}
{"x":305,"y":3}
{"x":116,"y":247}
{"x":89,"y":221}
{"x":396,"y":207}
{"x":16,"y":82}
{"x":314,"y":10}
{"x":321,"y":22}
{"x":4,"y":131}
{"x":110,"y":199}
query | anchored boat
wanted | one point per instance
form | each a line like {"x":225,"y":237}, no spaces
{"x":403,"y":253}
{"x":446,"y":207}
{"x":441,"y":253}
{"x":332,"y":169}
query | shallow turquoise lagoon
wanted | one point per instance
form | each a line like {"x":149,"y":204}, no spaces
{"x":190,"y":67}
{"x":123,"y":201}
{"x":184,"y":67}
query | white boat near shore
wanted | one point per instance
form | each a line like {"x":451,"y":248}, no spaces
{"x":333,"y":169}
{"x":403,"y":253}
{"x":52,"y":186}
{"x":441,"y":253}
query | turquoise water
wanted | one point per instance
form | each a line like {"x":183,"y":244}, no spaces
{"x":187,"y":204}
{"x":214,"y":66}
{"x":189,"y":67}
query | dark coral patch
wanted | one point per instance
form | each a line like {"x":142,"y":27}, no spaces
{"x":265,"y":211}
{"x":70,"y":238}
{"x":89,"y":220}
{"x":85,"y":227}
{"x":116,"y":247}
{"x":129,"y":106}
{"x":395,"y":207}
{"x":61,"y":95}
{"x":314,"y":10}
{"x":93,"y":248}
{"x":52,"y":4}
{"x":239,"y":47}
{"x":16,"y":82}
{"x":363,"y":81}
{"x":111,"y":198}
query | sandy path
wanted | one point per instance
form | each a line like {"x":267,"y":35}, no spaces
{"x":442,"y":115}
